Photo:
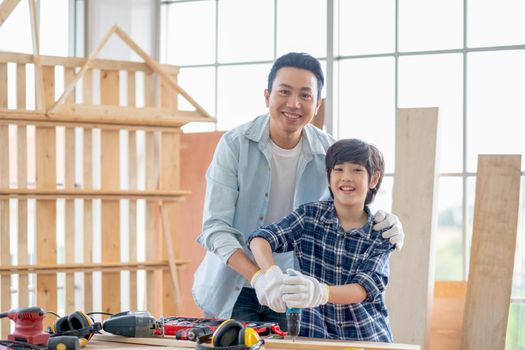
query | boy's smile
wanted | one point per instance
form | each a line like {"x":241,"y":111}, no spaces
{"x":350,"y":183}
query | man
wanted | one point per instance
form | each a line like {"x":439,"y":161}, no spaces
{"x":260,"y":172}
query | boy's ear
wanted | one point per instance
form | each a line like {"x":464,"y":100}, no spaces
{"x":375,"y":179}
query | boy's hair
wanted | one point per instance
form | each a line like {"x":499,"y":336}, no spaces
{"x":358,"y":152}
{"x":298,"y":60}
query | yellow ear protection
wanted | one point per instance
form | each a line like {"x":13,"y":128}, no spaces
{"x":231,"y":334}
{"x":77,"y":324}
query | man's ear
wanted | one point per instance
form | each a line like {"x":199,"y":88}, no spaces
{"x":374,"y":180}
{"x":267,"y":97}
{"x":319,"y":101}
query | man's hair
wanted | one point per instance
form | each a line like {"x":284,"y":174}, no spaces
{"x":358,"y":152}
{"x":298,"y":60}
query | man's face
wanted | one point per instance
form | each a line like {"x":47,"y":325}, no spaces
{"x":293,"y":100}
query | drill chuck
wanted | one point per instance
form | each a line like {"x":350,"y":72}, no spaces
{"x":293,"y":320}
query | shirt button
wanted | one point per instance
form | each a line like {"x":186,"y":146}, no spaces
{"x":266,"y":194}
{"x":237,"y":288}
{"x":261,"y":218}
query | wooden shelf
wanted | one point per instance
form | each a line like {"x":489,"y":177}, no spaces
{"x":95,"y":116}
{"x":93,"y":194}
{"x":104,"y":267}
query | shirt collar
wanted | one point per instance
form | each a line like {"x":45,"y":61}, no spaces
{"x":330,"y":217}
{"x":259,"y":131}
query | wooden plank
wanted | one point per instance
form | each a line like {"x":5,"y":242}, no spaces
{"x":168,"y":96}
{"x":21,"y":86}
{"x":416,"y":172}
{"x":54,"y":268}
{"x":6,"y":7}
{"x":70,"y":219}
{"x":88,"y":217}
{"x":105,"y":117}
{"x":40,"y":81}
{"x":87,"y":87}
{"x":154,"y":243}
{"x":46,"y":247}
{"x":170,"y":165}
{"x":76,"y":62}
{"x":299,"y":343}
{"x":447,"y":314}
{"x":132,"y":89}
{"x":5,"y":283}
{"x":93,"y":194}
{"x":492,"y":253}
{"x":110,"y":180}
{"x":132,"y":174}
{"x":3,"y":85}
{"x":23,"y":293}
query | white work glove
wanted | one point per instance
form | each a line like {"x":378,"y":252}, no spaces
{"x":395,"y":233}
{"x":268,"y":288}
{"x":301,"y":291}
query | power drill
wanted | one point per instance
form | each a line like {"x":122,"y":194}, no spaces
{"x":293,"y":318}
{"x":28,"y":325}
{"x":139,"y":324}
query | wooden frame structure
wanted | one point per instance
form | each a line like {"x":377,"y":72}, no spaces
{"x":77,"y":136}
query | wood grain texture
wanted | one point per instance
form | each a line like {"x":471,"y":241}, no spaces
{"x":170,"y":168}
{"x":447,"y":314}
{"x":46,"y":241}
{"x":110,"y":179}
{"x":23,"y":293}
{"x":88,"y":217}
{"x":410,"y":291}
{"x":5,"y":283}
{"x":3,"y":85}
{"x":70,"y":218}
{"x":132,"y":176}
{"x":154,"y":240}
{"x":492,"y":252}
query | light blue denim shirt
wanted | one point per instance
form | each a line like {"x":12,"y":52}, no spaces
{"x":236,"y":202}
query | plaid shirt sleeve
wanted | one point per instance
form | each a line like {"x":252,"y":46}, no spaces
{"x":372,"y":273}
{"x":282,"y":235}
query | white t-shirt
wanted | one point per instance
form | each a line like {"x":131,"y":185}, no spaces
{"x":284,"y":176}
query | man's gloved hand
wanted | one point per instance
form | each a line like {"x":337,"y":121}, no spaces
{"x":267,"y":286}
{"x":301,"y":291}
{"x":395,"y":234}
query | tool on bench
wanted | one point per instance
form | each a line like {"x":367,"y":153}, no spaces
{"x":138,"y":324}
{"x":28,"y":325}
{"x":293,"y":318}
{"x":29,"y":334}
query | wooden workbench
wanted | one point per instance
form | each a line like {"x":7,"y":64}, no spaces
{"x":112,"y":342}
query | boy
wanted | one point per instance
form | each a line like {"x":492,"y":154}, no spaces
{"x":343,"y":261}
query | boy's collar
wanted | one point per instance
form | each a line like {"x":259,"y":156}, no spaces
{"x":364,"y":231}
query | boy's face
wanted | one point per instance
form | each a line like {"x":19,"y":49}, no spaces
{"x":350,"y":183}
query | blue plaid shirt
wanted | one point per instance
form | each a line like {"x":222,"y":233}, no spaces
{"x":335,"y":257}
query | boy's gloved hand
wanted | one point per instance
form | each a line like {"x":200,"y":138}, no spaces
{"x":395,"y":234}
{"x":301,"y":291}
{"x":267,"y":287}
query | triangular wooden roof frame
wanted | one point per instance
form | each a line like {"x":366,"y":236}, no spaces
{"x":7,"y":7}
